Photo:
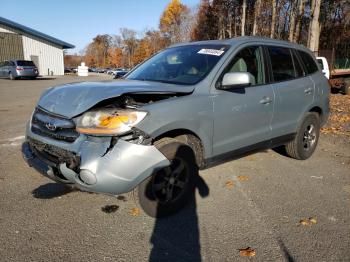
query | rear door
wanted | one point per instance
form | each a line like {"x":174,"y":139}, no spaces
{"x":243,"y":116}
{"x":294,"y":90}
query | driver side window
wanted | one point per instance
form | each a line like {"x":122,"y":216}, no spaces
{"x":248,"y":60}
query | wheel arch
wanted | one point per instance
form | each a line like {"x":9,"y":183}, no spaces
{"x":189,"y":137}
{"x":319,"y":111}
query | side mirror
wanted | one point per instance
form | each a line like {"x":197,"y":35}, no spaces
{"x":237,"y":80}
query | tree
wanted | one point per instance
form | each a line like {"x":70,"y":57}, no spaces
{"x":273,"y":18}
{"x":314,"y":28}
{"x":97,"y":51}
{"x":257,"y":8}
{"x":292,"y":21}
{"x":130,"y":43}
{"x":142,"y":52}
{"x":301,"y":5}
{"x":173,"y":21}
{"x":116,"y":57}
{"x":244,"y":10}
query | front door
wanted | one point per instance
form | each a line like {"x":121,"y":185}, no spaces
{"x":243,"y":116}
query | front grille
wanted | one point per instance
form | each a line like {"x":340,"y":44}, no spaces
{"x":53,"y":155}
{"x":58,"y":128}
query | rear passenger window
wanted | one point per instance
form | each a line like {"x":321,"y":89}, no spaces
{"x":308,"y":61}
{"x":281,"y":63}
{"x":299,"y":72}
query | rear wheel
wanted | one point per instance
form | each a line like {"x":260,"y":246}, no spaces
{"x":306,"y":139}
{"x":346,"y":88}
{"x":168,"y":190}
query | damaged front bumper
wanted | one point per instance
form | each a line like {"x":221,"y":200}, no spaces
{"x":93,"y":164}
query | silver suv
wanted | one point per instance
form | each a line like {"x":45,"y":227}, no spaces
{"x":188,"y":107}
{"x":15,"y":69}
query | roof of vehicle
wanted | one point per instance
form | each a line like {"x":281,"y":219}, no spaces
{"x":245,"y":39}
{"x":33,"y":32}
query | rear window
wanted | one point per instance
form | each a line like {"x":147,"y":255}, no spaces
{"x":25,"y":63}
{"x":281,"y":63}
{"x":309,"y":63}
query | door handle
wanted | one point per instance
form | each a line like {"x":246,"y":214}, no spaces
{"x":308,"y":90}
{"x":266,"y":100}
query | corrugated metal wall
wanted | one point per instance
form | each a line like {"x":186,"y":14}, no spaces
{"x":11,"y":46}
{"x":17,"y":45}
{"x":50,"y":56}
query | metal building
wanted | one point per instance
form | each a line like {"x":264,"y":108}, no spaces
{"x":21,"y":42}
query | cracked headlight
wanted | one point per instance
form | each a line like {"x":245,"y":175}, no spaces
{"x":109,"y":121}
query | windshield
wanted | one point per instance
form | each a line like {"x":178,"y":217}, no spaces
{"x":184,"y":65}
{"x":25,"y":63}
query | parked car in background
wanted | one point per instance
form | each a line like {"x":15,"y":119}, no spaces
{"x":100,"y":70}
{"x":322,"y":61}
{"x":68,"y":70}
{"x":190,"y":106}
{"x":339,"y":79}
{"x":15,"y":69}
{"x":114,"y":71}
{"x":120,"y":74}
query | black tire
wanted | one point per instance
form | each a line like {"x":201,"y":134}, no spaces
{"x":346,"y":88}
{"x":168,"y":190}
{"x":306,"y":139}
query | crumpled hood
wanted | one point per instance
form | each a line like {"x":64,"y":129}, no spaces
{"x":73,"y":99}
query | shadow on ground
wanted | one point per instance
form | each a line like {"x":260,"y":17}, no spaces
{"x":51,"y":190}
{"x":176,"y":238}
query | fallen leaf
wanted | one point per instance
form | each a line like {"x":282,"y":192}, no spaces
{"x":135,"y":212}
{"x":304,"y":222}
{"x":308,"y":221}
{"x":243,"y":178}
{"x":110,"y":208}
{"x":229,"y":184}
{"x":247,"y":252}
{"x":313,"y":220}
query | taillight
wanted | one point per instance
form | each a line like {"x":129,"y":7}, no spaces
{"x":19,"y":68}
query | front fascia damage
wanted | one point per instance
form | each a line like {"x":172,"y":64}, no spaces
{"x":110,"y":165}
{"x":118,"y":171}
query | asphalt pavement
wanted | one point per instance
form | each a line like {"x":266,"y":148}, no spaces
{"x":283,"y":209}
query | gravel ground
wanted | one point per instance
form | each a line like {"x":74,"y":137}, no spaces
{"x":255,"y":201}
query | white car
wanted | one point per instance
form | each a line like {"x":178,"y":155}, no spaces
{"x":324,"y":66}
{"x":115,"y":71}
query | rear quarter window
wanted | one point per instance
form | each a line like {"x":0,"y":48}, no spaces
{"x":308,"y":61}
{"x":281,"y":63}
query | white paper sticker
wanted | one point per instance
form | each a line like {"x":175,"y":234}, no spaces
{"x":211,"y":52}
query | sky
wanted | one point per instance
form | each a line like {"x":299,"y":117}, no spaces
{"x":78,"y":21}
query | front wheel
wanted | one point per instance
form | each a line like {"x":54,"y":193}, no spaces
{"x":306,"y":139}
{"x":169,"y":189}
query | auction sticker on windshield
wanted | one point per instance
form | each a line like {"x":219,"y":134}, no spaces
{"x":211,"y":52}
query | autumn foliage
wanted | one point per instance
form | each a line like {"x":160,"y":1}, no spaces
{"x":318,"y":24}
